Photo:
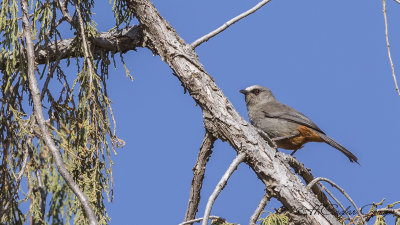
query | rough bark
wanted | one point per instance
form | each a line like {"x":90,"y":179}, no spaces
{"x":114,"y":41}
{"x":220,"y":117}
{"x":198,"y":175}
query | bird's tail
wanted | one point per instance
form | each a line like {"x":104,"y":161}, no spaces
{"x":336,"y":145}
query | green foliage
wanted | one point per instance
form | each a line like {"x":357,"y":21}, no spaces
{"x":79,"y":112}
{"x":275,"y":219}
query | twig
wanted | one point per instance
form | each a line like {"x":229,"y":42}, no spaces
{"x":84,"y":41}
{"x":383,"y":211}
{"x":260,"y":208}
{"x":398,"y":1}
{"x":312,"y":183}
{"x":388,"y":46}
{"x":228,"y":24}
{"x":200,"y":219}
{"x":336,"y":200}
{"x":221,"y":184}
{"x":37,"y":105}
{"x":64,"y":11}
{"x":198,"y":175}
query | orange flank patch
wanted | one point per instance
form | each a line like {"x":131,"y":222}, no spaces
{"x":305,"y":135}
{"x":309,"y":134}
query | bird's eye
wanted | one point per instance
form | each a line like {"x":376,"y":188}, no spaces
{"x":256,"y":91}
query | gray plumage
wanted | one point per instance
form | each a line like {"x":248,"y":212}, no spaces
{"x":283,"y":123}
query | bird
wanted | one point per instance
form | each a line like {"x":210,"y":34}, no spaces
{"x":288,"y":128}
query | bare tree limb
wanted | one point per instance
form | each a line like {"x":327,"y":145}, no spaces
{"x":228,"y":24}
{"x":265,"y":199}
{"x":383,"y":211}
{"x":221,"y":118}
{"x":200,"y":219}
{"x":221,"y":184}
{"x":388,"y":46}
{"x":198,"y":175}
{"x":312,"y":183}
{"x":115,"y":41}
{"x":37,"y":105}
{"x":398,"y":1}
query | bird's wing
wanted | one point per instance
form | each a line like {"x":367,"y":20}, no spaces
{"x":281,"y":111}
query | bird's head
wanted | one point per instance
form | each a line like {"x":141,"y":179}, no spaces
{"x":257,"y":94}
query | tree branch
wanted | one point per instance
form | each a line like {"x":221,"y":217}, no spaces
{"x":220,"y":117}
{"x":115,"y":41}
{"x":312,"y":183}
{"x":265,"y":199}
{"x":198,"y":176}
{"x":388,"y":47}
{"x":228,"y":24}
{"x":221,"y":184}
{"x":37,"y":105}
{"x":200,"y":219}
{"x":383,"y":211}
{"x":305,"y":173}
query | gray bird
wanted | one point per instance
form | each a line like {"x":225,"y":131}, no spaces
{"x":288,"y":128}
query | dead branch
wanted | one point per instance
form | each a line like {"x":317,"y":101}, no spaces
{"x":200,"y":219}
{"x":221,"y":184}
{"x":312,"y":183}
{"x":383,"y":211}
{"x":198,"y":176}
{"x":388,"y":46}
{"x":228,"y":24}
{"x":34,"y":89}
{"x":265,"y":199}
{"x":123,"y":40}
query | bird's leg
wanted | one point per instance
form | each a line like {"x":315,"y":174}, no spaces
{"x":294,"y":151}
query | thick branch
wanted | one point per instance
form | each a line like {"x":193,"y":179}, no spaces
{"x":221,"y":118}
{"x":37,"y":105}
{"x":198,"y":175}
{"x":221,"y":184}
{"x":115,"y":41}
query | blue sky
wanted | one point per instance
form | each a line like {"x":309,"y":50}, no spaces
{"x":327,"y":59}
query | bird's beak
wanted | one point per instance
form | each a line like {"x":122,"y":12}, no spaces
{"x":244,"y":92}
